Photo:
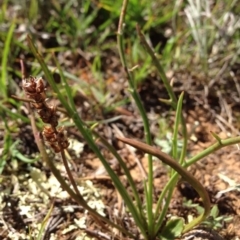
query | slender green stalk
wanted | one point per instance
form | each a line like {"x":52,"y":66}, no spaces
{"x":125,"y":169}
{"x":173,"y":99}
{"x":44,"y":223}
{"x":218,"y":145}
{"x":171,"y":184}
{"x":176,"y":126}
{"x":49,"y":76}
{"x":7,"y":142}
{"x":159,"y":68}
{"x":111,"y":149}
{"x":168,"y":189}
{"x":68,"y":90}
{"x":70,"y":176}
{"x":6,"y":50}
{"x":174,"y":103}
{"x":65,"y":84}
{"x":4,"y":5}
{"x":135,"y":95}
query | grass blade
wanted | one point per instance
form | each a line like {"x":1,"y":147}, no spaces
{"x":176,"y":126}
{"x":6,"y":50}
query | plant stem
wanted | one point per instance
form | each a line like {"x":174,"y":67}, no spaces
{"x":125,"y":169}
{"x":65,"y":163}
{"x":173,"y":98}
{"x":135,"y":95}
{"x":174,"y":103}
{"x":216,"y":146}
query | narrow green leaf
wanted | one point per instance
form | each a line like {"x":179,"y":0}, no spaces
{"x":3,"y":10}
{"x":6,"y":149}
{"x":44,"y":223}
{"x":6,"y":50}
{"x":176,"y":126}
{"x":137,"y":99}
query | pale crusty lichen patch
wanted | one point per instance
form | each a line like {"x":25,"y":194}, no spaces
{"x":35,"y":192}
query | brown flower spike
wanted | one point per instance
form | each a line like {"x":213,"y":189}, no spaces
{"x":35,"y":90}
